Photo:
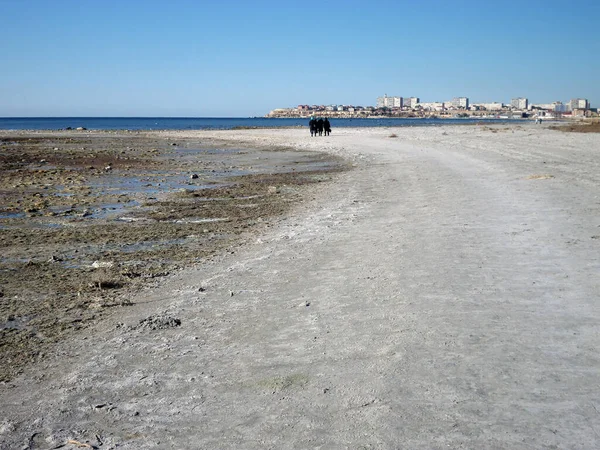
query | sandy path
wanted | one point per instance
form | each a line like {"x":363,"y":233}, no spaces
{"x":442,"y":295}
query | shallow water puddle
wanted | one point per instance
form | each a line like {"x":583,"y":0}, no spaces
{"x":159,"y":182}
{"x":203,"y":220}
{"x":12,"y":215}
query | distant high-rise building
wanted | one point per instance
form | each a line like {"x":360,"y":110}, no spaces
{"x":389,"y":102}
{"x":460,"y":102}
{"x":560,"y":107}
{"x":411,"y":102}
{"x":579,"y":103}
{"x":519,"y":103}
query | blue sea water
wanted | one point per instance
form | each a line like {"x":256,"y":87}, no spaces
{"x":203,"y":123}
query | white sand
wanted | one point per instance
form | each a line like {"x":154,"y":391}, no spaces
{"x":444,"y":294}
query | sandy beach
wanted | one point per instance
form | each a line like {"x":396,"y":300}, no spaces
{"x":419,"y":288}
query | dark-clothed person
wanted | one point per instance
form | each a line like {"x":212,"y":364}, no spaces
{"x":327,"y":126}
{"x":312,"y":124}
{"x":320,"y":126}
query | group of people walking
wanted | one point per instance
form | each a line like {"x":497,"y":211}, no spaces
{"x":319,"y":126}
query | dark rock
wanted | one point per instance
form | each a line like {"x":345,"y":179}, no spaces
{"x":159,"y":322}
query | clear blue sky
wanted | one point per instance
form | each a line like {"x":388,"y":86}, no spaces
{"x":244,"y":58}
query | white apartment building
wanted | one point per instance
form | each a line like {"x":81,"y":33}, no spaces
{"x":389,"y":102}
{"x":579,"y":103}
{"x":519,"y":103}
{"x":560,"y":107}
{"x":460,"y":102}
{"x":411,"y":102}
{"x":384,"y":102}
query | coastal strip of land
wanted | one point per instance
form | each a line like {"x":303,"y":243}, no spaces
{"x":442,"y":294}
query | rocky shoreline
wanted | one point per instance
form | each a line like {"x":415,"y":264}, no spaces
{"x":88,"y":218}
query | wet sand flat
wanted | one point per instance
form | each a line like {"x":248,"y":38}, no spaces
{"x":87,"y":218}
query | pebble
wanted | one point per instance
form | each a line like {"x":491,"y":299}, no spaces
{"x":102,"y":264}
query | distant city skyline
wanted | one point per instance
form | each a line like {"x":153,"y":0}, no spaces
{"x":396,"y":106}
{"x":464,"y":102}
{"x":228,"y":59}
